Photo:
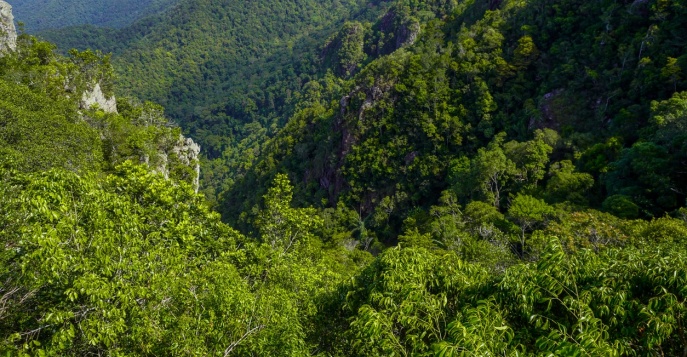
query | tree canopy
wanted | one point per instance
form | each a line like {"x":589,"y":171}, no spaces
{"x":410,"y":178}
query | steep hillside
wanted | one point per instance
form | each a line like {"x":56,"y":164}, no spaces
{"x":230,"y":73}
{"x":471,"y":179}
{"x":60,"y":112}
{"x":104,"y":241}
{"x":40,"y":15}
{"x":566,"y":102}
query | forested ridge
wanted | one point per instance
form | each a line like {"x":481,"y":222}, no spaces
{"x":402,"y":178}
{"x":222,"y":69}
{"x":46,"y":14}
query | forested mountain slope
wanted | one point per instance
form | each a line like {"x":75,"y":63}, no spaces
{"x":59,"y":112}
{"x":104,"y":244}
{"x":220,"y":64}
{"x":570,"y":103}
{"x":40,"y":15}
{"x":474,"y":178}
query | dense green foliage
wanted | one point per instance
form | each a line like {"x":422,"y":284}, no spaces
{"x":131,"y":264}
{"x":223,"y":70}
{"x":44,"y":14}
{"x":43,"y":124}
{"x":446,"y":178}
{"x":491,"y":102}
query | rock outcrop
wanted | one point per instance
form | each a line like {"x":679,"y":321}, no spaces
{"x":403,"y":28}
{"x":8,"y":33}
{"x":180,"y":161}
{"x":187,"y":151}
{"x":96,"y":96}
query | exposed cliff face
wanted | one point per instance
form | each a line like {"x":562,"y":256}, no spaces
{"x":404,"y":29}
{"x":187,"y":152}
{"x":180,"y":161}
{"x":8,"y":33}
{"x":96,"y":96}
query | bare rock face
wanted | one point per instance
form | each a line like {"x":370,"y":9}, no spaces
{"x":183,"y":152}
{"x":8,"y":33}
{"x":407,"y":35}
{"x":187,"y":151}
{"x":96,"y":96}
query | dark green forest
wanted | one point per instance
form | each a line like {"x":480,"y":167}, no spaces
{"x":40,"y":15}
{"x":392,"y":178}
{"x":230,"y":73}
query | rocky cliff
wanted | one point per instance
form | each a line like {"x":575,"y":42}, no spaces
{"x":178,"y":159}
{"x":8,"y":33}
{"x":188,"y":153}
{"x":95,"y":96}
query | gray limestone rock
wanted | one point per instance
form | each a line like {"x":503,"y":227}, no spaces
{"x":96,"y":96}
{"x":187,"y":151}
{"x":8,"y":33}
{"x":183,"y":151}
